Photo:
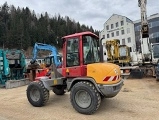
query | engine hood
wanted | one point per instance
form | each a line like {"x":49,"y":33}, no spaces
{"x":104,"y":73}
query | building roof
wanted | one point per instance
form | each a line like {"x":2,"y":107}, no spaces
{"x":117,"y":15}
{"x":120,"y":16}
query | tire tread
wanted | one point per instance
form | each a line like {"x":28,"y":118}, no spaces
{"x":93,"y":89}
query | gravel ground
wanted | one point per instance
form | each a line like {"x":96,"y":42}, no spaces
{"x":138,"y":100}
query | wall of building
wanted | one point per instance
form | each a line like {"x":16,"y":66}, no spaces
{"x":153,"y":21}
{"x":119,"y":27}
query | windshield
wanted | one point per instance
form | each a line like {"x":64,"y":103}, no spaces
{"x":122,"y":51}
{"x":49,"y":60}
{"x":90,"y":50}
{"x":156,"y":50}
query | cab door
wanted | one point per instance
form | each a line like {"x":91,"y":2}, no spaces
{"x":73,"y":68}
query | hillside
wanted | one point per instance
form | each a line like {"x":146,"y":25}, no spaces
{"x":20,"y":28}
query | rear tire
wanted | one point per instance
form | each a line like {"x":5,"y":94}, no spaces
{"x":59,"y":90}
{"x":85,"y":98}
{"x":37,"y":94}
{"x":157,"y":79}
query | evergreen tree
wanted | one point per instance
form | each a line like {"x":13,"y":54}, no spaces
{"x":20,"y":28}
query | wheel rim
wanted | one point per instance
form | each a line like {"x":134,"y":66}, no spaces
{"x":149,"y":73}
{"x":83,"y":99}
{"x":35,"y":94}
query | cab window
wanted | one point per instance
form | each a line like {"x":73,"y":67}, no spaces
{"x":72,"y":52}
{"x":90,"y":50}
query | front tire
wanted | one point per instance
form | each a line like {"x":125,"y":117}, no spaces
{"x":85,"y":98}
{"x":37,"y":94}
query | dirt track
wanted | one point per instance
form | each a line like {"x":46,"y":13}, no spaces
{"x":138,"y":100}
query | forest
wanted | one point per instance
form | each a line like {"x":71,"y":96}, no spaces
{"x":20,"y":28}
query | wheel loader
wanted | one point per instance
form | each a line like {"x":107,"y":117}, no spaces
{"x":82,"y":74}
{"x":118,"y":54}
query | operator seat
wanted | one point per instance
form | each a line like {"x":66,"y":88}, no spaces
{"x":89,"y":57}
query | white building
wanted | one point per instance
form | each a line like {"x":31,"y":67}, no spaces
{"x":119,"y":27}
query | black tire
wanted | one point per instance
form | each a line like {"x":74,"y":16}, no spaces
{"x":102,"y":97}
{"x":59,"y":90}
{"x":157,"y":79}
{"x":91,"y":101}
{"x":37,"y":94}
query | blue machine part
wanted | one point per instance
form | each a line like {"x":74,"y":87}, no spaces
{"x":5,"y":63}
{"x":12,"y":65}
{"x":41,"y":46}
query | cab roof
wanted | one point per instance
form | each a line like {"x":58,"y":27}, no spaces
{"x":79,"y":34}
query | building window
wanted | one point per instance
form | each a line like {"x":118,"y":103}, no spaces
{"x":154,"y":35}
{"x":112,"y":34}
{"x":129,"y":40}
{"x":103,"y":36}
{"x":112,"y":26}
{"x":117,"y":25}
{"x":107,"y":27}
{"x":123,"y":41}
{"x":122,"y":32}
{"x":117,"y":33}
{"x":107,"y":35}
{"x":154,"y":24}
{"x":138,"y":28}
{"x":128,"y":30}
{"x":122,"y":23}
{"x":150,"y":25}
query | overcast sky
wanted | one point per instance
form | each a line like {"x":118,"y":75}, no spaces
{"x":89,"y":12}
